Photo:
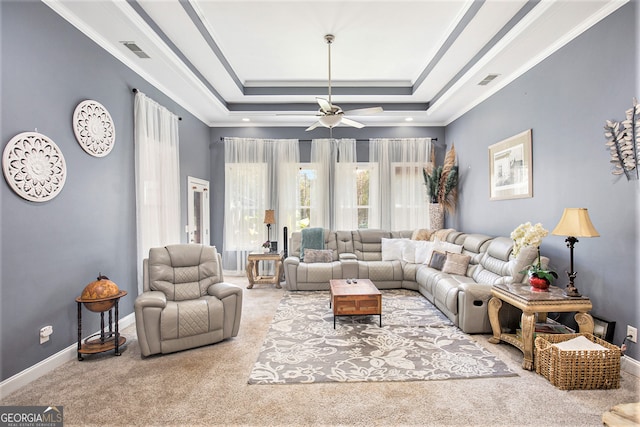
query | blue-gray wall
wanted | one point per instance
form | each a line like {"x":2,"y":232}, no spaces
{"x":565,"y":100}
{"x":51,"y":250}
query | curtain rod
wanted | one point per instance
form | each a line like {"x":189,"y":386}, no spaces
{"x":357,"y":140}
{"x":134,"y":90}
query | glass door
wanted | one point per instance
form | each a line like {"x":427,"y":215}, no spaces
{"x":198,"y":211}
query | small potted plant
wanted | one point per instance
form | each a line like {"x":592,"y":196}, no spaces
{"x":531,"y":235}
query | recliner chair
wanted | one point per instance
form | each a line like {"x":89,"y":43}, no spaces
{"x":185,"y":303}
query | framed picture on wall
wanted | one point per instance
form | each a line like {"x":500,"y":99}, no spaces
{"x":510,"y":171}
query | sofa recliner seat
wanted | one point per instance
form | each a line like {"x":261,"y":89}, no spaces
{"x":185,"y":302}
{"x":462,"y":298}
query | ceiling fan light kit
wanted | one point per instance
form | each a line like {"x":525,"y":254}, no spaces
{"x":331,"y":115}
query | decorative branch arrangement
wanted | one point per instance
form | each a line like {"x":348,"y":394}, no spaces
{"x":623,"y":140}
{"x":442,"y":181}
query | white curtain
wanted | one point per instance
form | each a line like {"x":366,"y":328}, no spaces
{"x":402,"y":204}
{"x":157,"y":163}
{"x":326,"y":154}
{"x":345,"y":193}
{"x":322,"y":162}
{"x":253,"y":184}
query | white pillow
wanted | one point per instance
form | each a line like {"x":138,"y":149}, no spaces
{"x":410,"y":251}
{"x":392,"y":249}
{"x":423,"y":251}
{"x":579,"y":343}
{"x":441,"y":246}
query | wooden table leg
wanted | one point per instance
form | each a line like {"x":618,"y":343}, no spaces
{"x":250,"y":274}
{"x":278,"y":273}
{"x":528,"y":329}
{"x":494,"y":319}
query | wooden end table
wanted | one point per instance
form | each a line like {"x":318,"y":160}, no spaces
{"x":253,"y":261}
{"x":355,"y":299}
{"x":532,"y":303}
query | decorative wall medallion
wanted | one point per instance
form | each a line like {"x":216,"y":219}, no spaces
{"x":94,"y":128}
{"x":34,"y":166}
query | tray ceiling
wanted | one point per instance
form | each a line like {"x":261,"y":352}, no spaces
{"x":257,"y":63}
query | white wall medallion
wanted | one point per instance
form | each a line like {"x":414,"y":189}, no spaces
{"x":34,"y":166}
{"x":93,"y":127}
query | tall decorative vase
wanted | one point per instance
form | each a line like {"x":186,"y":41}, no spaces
{"x":436,"y":216}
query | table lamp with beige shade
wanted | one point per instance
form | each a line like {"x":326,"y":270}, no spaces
{"x":575,"y":222}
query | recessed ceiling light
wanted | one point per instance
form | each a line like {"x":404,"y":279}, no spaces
{"x":246,"y":119}
{"x":408,"y":119}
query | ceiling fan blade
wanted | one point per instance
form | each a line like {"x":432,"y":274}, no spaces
{"x":364,"y":111}
{"x":353,"y":123}
{"x":313,"y":126}
{"x":324,"y":104}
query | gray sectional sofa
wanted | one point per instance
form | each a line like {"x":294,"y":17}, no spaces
{"x":392,"y":260}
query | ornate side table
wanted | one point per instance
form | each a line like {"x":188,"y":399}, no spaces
{"x":253,"y":261}
{"x":532,"y":303}
{"x":103,"y":340}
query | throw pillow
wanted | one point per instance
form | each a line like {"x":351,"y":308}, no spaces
{"x":423,"y":252}
{"x":312,"y":238}
{"x":421,"y":234}
{"x":392,"y":249}
{"x":456,"y":264}
{"x":443,"y":246}
{"x":318,"y":255}
{"x":437,"y":260}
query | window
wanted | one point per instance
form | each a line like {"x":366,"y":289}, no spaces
{"x":306,"y":179}
{"x":356,"y":196}
{"x":246,"y":201}
{"x":407,"y":196}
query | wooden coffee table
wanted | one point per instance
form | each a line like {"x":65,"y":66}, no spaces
{"x":358,"y":298}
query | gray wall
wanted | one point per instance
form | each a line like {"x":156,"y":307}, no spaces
{"x":51,"y":250}
{"x":565,"y":100}
{"x":362,"y":147}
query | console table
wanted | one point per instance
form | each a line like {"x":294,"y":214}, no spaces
{"x":532,"y":303}
{"x":253,"y":261}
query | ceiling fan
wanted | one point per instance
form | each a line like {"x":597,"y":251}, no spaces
{"x":331,"y":115}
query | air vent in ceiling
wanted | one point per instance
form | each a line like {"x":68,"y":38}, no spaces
{"x":488,"y":79}
{"x":133,"y":47}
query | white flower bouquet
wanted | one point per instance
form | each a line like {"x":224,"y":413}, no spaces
{"x":532,"y":235}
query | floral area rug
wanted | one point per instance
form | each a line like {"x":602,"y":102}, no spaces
{"x":416,"y":342}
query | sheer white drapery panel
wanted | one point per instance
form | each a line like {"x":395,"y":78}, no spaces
{"x":345,"y":190}
{"x":157,"y":163}
{"x":288,"y":155}
{"x":326,"y":154}
{"x":252,"y":185}
{"x":322,"y":162}
{"x":402,"y":204}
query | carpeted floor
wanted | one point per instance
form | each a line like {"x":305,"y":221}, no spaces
{"x":208,"y":386}
{"x":415,"y":342}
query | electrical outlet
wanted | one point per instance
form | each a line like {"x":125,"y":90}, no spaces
{"x":44,"y":333}
{"x":632,"y":333}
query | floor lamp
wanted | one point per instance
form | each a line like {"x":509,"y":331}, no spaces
{"x":575,"y":222}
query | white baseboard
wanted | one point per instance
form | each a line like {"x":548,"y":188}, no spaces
{"x":8,"y":386}
{"x":34,"y":372}
{"x":630,"y":366}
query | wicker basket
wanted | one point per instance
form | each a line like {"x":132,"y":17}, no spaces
{"x":577,"y":370}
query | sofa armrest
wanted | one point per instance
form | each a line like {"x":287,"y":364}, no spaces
{"x":148,"y":308}
{"x":473,"y":301}
{"x":290,"y":265}
{"x":151,"y":299}
{"x":222,"y":290}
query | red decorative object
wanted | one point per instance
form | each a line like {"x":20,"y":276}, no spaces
{"x":538,"y":284}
